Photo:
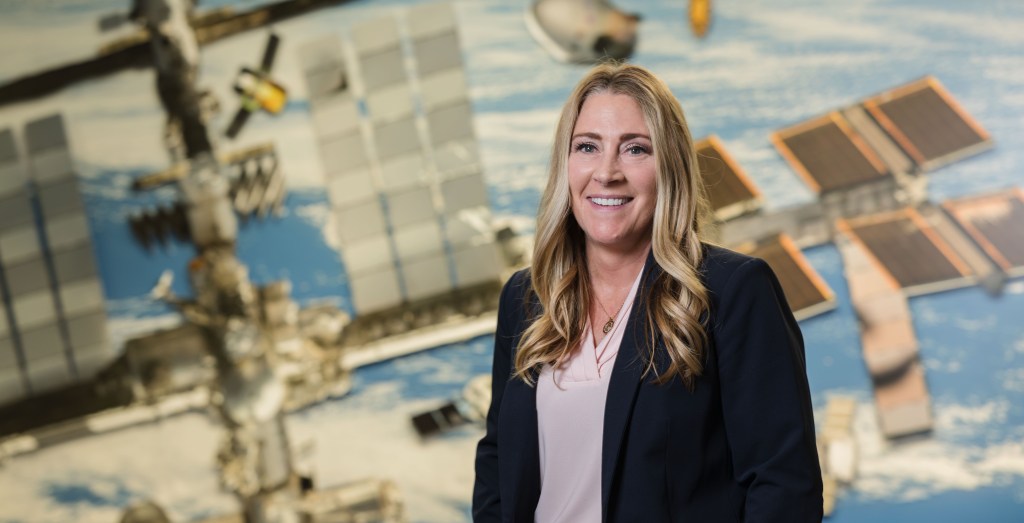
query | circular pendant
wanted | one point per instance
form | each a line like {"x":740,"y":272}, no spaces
{"x":608,"y":326}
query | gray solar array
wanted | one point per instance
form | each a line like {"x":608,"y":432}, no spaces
{"x":53,"y":324}
{"x":394,"y":123}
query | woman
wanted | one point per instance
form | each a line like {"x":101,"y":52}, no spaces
{"x":641,"y":375}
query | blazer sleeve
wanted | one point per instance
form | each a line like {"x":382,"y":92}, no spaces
{"x":766,"y":399}
{"x":486,"y":498}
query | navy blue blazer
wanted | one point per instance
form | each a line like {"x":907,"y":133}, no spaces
{"x":739,"y":447}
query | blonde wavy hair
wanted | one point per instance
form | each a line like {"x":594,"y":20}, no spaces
{"x":678,"y":299}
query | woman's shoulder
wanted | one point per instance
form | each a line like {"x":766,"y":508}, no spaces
{"x":517,"y":287}
{"x":741,"y":284}
{"x":720,"y":266}
{"x":515,"y":293}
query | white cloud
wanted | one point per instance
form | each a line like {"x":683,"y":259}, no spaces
{"x":833,"y":24}
{"x":319,"y":216}
{"x":516,"y":138}
{"x":747,"y":67}
{"x":170,"y":462}
{"x":983,"y":24}
{"x":535,"y":127}
{"x":1013,"y":380}
{"x":976,"y":324}
{"x":1016,"y":287}
{"x":548,"y":77}
{"x":956,"y":420}
{"x":952,"y":457}
{"x":46,"y":36}
{"x":433,"y":477}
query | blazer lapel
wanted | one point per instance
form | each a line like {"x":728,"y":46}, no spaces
{"x":624,"y":384}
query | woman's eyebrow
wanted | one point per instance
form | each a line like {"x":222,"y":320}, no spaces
{"x":631,"y":136}
{"x":623,"y":138}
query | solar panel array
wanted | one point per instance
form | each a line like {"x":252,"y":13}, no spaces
{"x":906,"y":130}
{"x":829,"y":155}
{"x":996,"y":223}
{"x":909,"y":249}
{"x":805,"y":290}
{"x":926,"y":122}
{"x":53,"y":329}
{"x":730,"y":192}
{"x":449,"y":118}
{"x":398,"y":147}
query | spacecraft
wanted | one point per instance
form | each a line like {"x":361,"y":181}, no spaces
{"x":256,"y":90}
{"x":700,"y":17}
{"x":470,"y":407}
{"x":582,"y":31}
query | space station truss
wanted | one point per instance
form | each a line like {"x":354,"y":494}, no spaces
{"x":905,"y":131}
{"x":53,"y":323}
{"x":392,"y":114}
{"x":889,"y":345}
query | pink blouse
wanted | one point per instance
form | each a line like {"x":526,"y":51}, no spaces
{"x":570,"y":425}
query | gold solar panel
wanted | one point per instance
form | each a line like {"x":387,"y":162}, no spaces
{"x":805,"y":290}
{"x":730,"y":192}
{"x":927,"y":123}
{"x":829,"y":154}
{"x":909,"y":249}
{"x":996,"y":223}
{"x":908,"y":129}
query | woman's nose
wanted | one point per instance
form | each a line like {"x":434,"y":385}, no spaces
{"x":609,"y":171}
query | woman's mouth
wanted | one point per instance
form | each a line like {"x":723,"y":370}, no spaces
{"x":609,"y":202}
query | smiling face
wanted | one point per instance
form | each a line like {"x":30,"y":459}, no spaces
{"x":613,"y":174}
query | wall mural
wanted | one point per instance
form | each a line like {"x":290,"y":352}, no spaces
{"x":250,"y":251}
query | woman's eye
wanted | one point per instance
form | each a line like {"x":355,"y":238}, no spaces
{"x":637,"y":149}
{"x":585,"y":147}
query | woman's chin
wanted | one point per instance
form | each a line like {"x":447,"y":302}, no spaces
{"x":618,"y":242}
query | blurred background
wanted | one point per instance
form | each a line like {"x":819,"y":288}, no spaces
{"x":250,"y":250}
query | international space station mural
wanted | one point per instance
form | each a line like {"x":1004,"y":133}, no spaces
{"x":250,"y":252}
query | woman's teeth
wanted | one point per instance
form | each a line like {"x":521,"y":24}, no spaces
{"x":609,"y":201}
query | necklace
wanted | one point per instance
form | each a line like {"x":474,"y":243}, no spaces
{"x":611,"y":317}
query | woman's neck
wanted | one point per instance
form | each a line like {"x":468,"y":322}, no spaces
{"x":612,"y":274}
{"x":610,"y":268}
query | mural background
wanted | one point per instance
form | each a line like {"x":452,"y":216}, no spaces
{"x":764,"y":65}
